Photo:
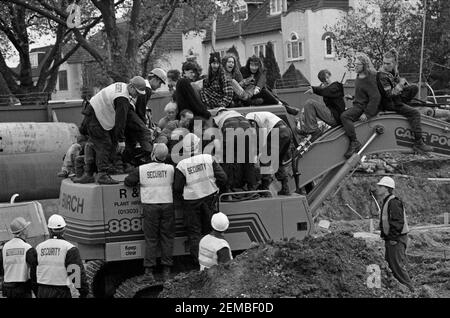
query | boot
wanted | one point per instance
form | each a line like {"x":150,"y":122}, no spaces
{"x":166,"y":273}
{"x":63,"y":174}
{"x":353,"y":147}
{"x":105,"y":178}
{"x":420,"y":147}
{"x":291,"y":110}
{"x":284,"y":188}
{"x":79,"y":168}
{"x":128,"y":168}
{"x":265,"y":184}
{"x":148,"y":277}
{"x":87,"y":176}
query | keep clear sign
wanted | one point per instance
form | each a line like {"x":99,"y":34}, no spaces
{"x":131,"y":250}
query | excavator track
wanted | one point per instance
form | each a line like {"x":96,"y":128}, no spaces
{"x":133,"y":288}
{"x":92,"y":268}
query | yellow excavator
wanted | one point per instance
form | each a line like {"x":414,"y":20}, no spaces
{"x":105,"y":221}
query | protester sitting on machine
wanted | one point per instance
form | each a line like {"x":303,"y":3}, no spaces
{"x":233,"y":74}
{"x":365,"y":102}
{"x":68,"y":167}
{"x":197,"y":181}
{"x":171,"y":111}
{"x":191,"y":71}
{"x":217,"y":90}
{"x":330,"y":113}
{"x":396,"y":92}
{"x":156,"y":179}
{"x":213,"y":248}
{"x":254,"y":83}
{"x":269,"y":122}
{"x":188,"y":99}
{"x":239,"y":167}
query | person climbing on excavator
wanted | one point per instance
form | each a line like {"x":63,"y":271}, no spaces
{"x":271,"y":122}
{"x":396,"y":93}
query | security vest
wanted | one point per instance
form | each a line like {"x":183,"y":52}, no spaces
{"x":51,"y":268}
{"x":264,"y":119}
{"x":199,"y":173}
{"x":207,"y":250}
{"x":224,"y":115}
{"x":103,"y":103}
{"x":14,"y":261}
{"x":385,"y":217}
{"x":156,"y":181}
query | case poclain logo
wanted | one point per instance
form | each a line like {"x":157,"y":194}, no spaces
{"x":440,"y":143}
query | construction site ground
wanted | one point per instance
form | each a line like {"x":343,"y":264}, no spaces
{"x":332,"y":262}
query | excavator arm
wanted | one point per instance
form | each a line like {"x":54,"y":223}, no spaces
{"x":387,"y":132}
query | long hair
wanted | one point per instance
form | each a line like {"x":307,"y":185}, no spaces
{"x":212,"y":76}
{"x":392,"y":54}
{"x":366,"y":62}
{"x":235,"y":69}
{"x":255,"y":59}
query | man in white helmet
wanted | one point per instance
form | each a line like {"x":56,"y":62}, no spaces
{"x":394,"y":230}
{"x":56,"y":260}
{"x":156,"y":180}
{"x":197,"y":182}
{"x":18,"y":262}
{"x":105,"y":120}
{"x":213,"y":248}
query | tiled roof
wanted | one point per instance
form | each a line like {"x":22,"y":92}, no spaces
{"x":259,"y":21}
{"x":314,"y":5}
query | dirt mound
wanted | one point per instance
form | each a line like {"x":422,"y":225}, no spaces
{"x":425,"y":200}
{"x":334,"y":265}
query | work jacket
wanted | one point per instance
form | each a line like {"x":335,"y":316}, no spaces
{"x":156,"y":180}
{"x":393,"y":222}
{"x":207,"y":252}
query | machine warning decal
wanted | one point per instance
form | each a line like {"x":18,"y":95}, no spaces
{"x":130,"y":250}
{"x":440,"y":143}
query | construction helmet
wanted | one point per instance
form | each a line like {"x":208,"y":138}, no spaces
{"x":18,"y":225}
{"x":160,"y":151}
{"x":159,"y":73}
{"x":139,"y":84}
{"x":191,"y":143}
{"x":220,"y":222}
{"x":387,"y":182}
{"x":56,"y":222}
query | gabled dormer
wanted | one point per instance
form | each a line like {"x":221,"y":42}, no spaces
{"x":277,"y":7}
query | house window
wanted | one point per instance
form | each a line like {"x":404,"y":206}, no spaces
{"x":259,"y":49}
{"x":62,"y":79}
{"x":240,"y":11}
{"x":276,"y":6}
{"x":294,"y":47}
{"x":34,"y":59}
{"x":329,"y":47}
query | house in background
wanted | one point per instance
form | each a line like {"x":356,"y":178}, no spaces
{"x":295,"y":27}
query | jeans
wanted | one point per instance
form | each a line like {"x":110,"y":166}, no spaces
{"x":313,"y":110}
{"x":348,"y":118}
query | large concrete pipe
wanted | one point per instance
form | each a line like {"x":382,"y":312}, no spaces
{"x":31,"y":154}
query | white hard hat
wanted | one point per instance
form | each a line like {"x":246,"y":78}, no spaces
{"x":18,"y":225}
{"x":159,"y":73}
{"x":387,"y":182}
{"x":191,"y":143}
{"x":220,"y":222}
{"x":56,"y":222}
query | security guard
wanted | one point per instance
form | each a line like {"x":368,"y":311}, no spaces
{"x":394,"y":230}
{"x":213,"y":248}
{"x":197,"y":180}
{"x":106,"y":118}
{"x":269,"y":121}
{"x":19,"y":263}
{"x":156,"y":180}
{"x":56,"y":260}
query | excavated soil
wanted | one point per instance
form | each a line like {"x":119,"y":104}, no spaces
{"x":332,"y":263}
